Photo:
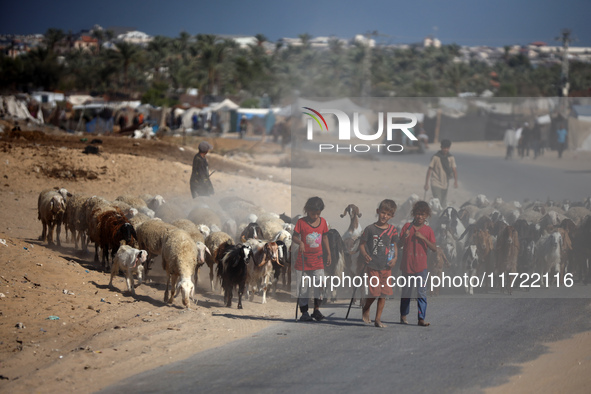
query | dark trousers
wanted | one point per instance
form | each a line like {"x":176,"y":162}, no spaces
{"x":561,"y":147}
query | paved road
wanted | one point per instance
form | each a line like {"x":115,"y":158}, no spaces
{"x":474,"y":342}
{"x":512,"y":179}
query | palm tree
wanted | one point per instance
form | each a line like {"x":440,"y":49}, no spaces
{"x":124,"y":55}
{"x":211,"y":54}
{"x":52,"y":37}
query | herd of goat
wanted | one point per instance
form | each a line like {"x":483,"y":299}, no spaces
{"x":250,"y":249}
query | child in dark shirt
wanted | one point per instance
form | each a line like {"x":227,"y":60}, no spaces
{"x":377,"y":241}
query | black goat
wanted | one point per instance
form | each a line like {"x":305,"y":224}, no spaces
{"x":232,"y":271}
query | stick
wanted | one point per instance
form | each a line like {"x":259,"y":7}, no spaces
{"x":425,"y":196}
{"x":351,"y":303}
{"x":300,"y":286}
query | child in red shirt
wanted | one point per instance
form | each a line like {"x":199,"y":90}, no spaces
{"x":308,"y":235}
{"x":377,"y":241}
{"x":416,"y":237}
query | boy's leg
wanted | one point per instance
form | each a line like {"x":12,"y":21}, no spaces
{"x":378,"y":321}
{"x":366,"y":306}
{"x":319,"y":274}
{"x":422,"y":300}
{"x":405,"y":300}
{"x":302,"y":291}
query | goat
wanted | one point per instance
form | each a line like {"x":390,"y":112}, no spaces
{"x":233,"y":271}
{"x":351,"y":239}
{"x":260,"y":271}
{"x":507,"y":250}
{"x":337,"y":253}
{"x":471,"y":262}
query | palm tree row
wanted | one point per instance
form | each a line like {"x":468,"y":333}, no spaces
{"x":219,"y":67}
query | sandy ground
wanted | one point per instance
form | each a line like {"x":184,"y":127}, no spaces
{"x":104,"y":335}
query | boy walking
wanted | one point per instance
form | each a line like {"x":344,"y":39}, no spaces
{"x":378,"y":242}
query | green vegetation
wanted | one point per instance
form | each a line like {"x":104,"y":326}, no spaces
{"x":160,"y":71}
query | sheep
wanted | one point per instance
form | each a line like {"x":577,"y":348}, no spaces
{"x":155,"y":202}
{"x":550,"y":220}
{"x":240,"y":210}
{"x":577,"y":214}
{"x":205,"y":216}
{"x":72,"y":218}
{"x":92,"y":209}
{"x":115,"y":230}
{"x":270,"y":226}
{"x":179,"y":260}
{"x":233,"y":271}
{"x":151,"y":235}
{"x":170,"y":212}
{"x":51,"y":207}
{"x":213,"y":243}
{"x":136,"y":218}
{"x":191,"y":228}
{"x":130,"y":260}
{"x":135,"y":202}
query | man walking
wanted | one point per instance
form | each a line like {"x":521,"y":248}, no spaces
{"x":200,"y":182}
{"x":441,"y":169}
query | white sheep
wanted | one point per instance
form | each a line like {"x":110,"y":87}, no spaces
{"x":51,"y":207}
{"x":577,"y":214}
{"x":170,"y":212}
{"x":72,"y":217}
{"x":179,"y":260}
{"x":205,"y":216}
{"x":155,"y":202}
{"x":191,"y":228}
{"x":270,"y":226}
{"x":135,"y":202}
{"x":151,"y":235}
{"x":129,"y":260}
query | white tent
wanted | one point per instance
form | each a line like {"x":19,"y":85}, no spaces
{"x":226,"y":105}
{"x":188,"y":117}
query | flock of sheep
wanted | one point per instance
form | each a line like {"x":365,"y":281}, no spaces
{"x":251,"y":248}
{"x":132,"y":231}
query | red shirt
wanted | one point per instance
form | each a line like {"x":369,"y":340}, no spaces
{"x":312,"y":238}
{"x":414,"y":256}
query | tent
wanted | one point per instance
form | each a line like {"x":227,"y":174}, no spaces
{"x":226,"y":105}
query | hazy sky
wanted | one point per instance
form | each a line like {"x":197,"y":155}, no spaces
{"x":465,"y":22}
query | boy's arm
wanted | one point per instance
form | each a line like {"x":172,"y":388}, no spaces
{"x":326,"y":247}
{"x":363,"y":252}
{"x":455,"y":177}
{"x":297,"y":240}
